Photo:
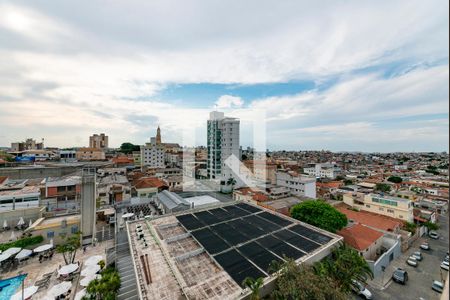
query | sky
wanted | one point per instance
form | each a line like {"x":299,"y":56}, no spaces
{"x":338,"y":75}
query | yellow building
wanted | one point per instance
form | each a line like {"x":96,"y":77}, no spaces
{"x":395,"y":207}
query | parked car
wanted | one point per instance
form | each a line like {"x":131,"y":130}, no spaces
{"x":417,"y":255}
{"x":444,"y":265}
{"x":400,"y":276}
{"x":425,"y":246}
{"x":446,"y":258}
{"x":412,"y":261}
{"x":434,"y":235}
{"x":437,"y":286}
{"x":361,"y":290}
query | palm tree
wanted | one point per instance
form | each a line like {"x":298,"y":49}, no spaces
{"x":231,"y":181}
{"x":254,"y":285}
{"x":69,"y":248}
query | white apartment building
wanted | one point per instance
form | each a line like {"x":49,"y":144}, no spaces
{"x":223,"y":142}
{"x":395,"y":207}
{"x":325,"y":170}
{"x":297,"y":184}
{"x":152,"y":155}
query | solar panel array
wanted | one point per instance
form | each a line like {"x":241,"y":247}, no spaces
{"x":244,"y":239}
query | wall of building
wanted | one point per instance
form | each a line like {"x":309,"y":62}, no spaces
{"x":33,"y":172}
{"x":13,"y":216}
{"x":394,"y":251}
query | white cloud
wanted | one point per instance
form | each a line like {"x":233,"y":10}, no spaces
{"x":227,"y":101}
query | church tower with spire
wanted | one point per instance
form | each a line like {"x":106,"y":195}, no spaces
{"x":158,"y":136}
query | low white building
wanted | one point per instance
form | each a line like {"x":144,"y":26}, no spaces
{"x":297,"y":184}
{"x":325,"y":170}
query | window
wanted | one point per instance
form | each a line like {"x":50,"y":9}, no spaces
{"x":74,"y":229}
{"x":367,"y":205}
{"x":50,"y":234}
{"x":381,"y":208}
{"x":401,"y":217}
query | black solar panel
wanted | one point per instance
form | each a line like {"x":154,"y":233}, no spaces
{"x":190,"y":222}
{"x":273,"y":218}
{"x":297,"y":240}
{"x":311,"y":234}
{"x":279,"y":247}
{"x":207,"y":218}
{"x":246,"y":228}
{"x":260,"y":256}
{"x":211,"y":242}
{"x":229,"y":234}
{"x":238,"y":266}
{"x":236,"y":211}
{"x":221,"y":214}
{"x":261,"y":223}
{"x":247,"y":207}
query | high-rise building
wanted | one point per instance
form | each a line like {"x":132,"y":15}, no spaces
{"x":222,"y":142}
{"x":152,"y":154}
{"x":29,"y":144}
{"x":88,"y":205}
{"x":98,"y":141}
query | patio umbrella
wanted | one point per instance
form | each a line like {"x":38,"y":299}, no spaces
{"x":91,"y":269}
{"x":59,"y":289}
{"x":13,"y":236}
{"x":80,"y":294}
{"x":12,"y":250}
{"x":141,"y":214}
{"x":27,"y":293}
{"x":85,"y":281}
{"x":5,"y":224}
{"x":51,"y":242}
{"x":23,"y":254}
{"x":21,"y":222}
{"x":93,"y":260}
{"x":43,"y":248}
{"x":67,"y":269}
{"x":4,"y":257}
{"x":31,"y":223}
{"x":128,"y":215}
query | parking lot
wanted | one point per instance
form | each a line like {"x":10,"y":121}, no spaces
{"x":422,"y":276}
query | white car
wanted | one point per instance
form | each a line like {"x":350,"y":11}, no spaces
{"x":412,"y":261}
{"x":361,"y":290}
{"x":444,"y":265}
{"x":434,"y":235}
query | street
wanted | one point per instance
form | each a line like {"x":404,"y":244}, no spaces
{"x":421,"y":277}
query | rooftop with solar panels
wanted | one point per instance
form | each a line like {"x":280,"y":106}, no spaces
{"x":206,"y":254}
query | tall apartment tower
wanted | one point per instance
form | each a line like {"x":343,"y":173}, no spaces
{"x":222,"y":142}
{"x":88,"y":205}
{"x":98,"y":141}
{"x":152,"y":154}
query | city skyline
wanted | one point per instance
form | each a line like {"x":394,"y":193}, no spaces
{"x":367,"y":77}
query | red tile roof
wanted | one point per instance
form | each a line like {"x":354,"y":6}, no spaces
{"x":331,"y":184}
{"x":149,"y":182}
{"x":122,"y":160}
{"x":370,"y":219}
{"x":3,"y":179}
{"x":2,"y":161}
{"x":359,"y":236}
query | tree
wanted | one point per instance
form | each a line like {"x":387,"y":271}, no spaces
{"x":383,"y":187}
{"x":106,"y":287}
{"x":319,"y":214}
{"x":431,"y":226}
{"x":395,"y":179}
{"x":254,"y":285}
{"x":69,"y":248}
{"x":344,"y":266}
{"x":348,"y":182}
{"x":303,"y":283}
{"x":127,"y":148}
{"x":411,"y":227}
{"x":231,"y":181}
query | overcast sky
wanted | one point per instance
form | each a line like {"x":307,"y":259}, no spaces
{"x":337,"y":75}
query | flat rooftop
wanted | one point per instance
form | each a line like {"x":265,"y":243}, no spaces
{"x":206,"y":254}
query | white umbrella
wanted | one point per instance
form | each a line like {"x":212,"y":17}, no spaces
{"x":141,"y":214}
{"x":12,"y":250}
{"x":5,"y":224}
{"x":93,"y":260}
{"x":85,"y":281}
{"x":27,"y":293}
{"x":128,"y":215}
{"x":24,"y":253}
{"x":80,"y":294}
{"x":65,"y":270}
{"x":13,"y":236}
{"x":21,"y":222}
{"x":31,"y":223}
{"x":59,"y":289}
{"x":51,"y":242}
{"x":91,"y":269}
{"x":4,"y":257}
{"x":43,"y":248}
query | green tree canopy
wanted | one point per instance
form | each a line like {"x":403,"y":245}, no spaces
{"x":303,"y":283}
{"x":105,"y":288}
{"x":69,"y":248}
{"x":254,"y":285}
{"x":127,"y":148}
{"x":344,"y":266}
{"x":395,"y":179}
{"x":320,"y":214}
{"x":383,"y":187}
